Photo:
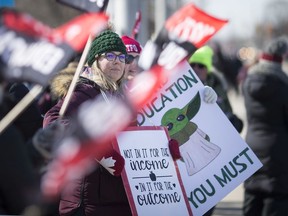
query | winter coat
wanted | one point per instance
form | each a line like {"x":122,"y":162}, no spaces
{"x":99,"y":193}
{"x":84,"y":90}
{"x":30,"y":120}
{"x":19,"y":184}
{"x":265,"y":93}
{"x":217,"y":84}
{"x":214,"y":80}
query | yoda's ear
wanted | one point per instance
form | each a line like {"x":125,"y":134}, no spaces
{"x":192,"y":108}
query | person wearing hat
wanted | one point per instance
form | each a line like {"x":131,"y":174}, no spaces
{"x":104,"y":73}
{"x":265,"y":95}
{"x":202,"y":64}
{"x":101,"y":192}
{"x":19,"y":184}
{"x":133,"y":49}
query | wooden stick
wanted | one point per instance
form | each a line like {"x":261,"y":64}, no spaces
{"x":20,"y":107}
{"x":75,"y":78}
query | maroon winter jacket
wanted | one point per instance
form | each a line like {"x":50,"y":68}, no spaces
{"x":99,"y":193}
{"x":84,"y":90}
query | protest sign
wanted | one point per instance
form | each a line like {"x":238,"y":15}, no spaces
{"x":215,"y":159}
{"x":150,"y":176}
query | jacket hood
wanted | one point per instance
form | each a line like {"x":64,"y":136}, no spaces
{"x":270,"y":68}
{"x":60,"y":83}
{"x":262,"y":79}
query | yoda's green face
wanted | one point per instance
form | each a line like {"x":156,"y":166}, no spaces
{"x":175,"y":120}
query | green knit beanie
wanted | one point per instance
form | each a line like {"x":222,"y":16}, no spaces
{"x":106,"y":41}
{"x":203,"y":56}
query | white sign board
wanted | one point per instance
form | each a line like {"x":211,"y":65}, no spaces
{"x":215,"y":159}
{"x":150,"y":176}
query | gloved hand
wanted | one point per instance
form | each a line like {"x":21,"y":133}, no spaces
{"x":236,"y":122}
{"x":113,"y":162}
{"x":174,"y":149}
{"x":210,"y":95}
{"x":46,"y":139}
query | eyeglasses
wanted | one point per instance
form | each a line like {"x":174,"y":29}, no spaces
{"x":201,"y":66}
{"x":112,"y":57}
{"x":131,"y":58}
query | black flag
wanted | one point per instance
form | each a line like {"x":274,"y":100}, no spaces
{"x":27,"y":53}
{"x":33,"y":52}
{"x":86,"y":5}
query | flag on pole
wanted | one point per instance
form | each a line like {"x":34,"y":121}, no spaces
{"x":33,"y":52}
{"x":86,"y":5}
{"x":137,"y":24}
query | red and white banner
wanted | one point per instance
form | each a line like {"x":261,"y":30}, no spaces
{"x":193,"y":25}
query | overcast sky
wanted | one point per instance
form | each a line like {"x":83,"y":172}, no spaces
{"x":242,"y":14}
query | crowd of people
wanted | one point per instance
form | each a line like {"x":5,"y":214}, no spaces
{"x":107,"y":71}
{"x":111,"y":64}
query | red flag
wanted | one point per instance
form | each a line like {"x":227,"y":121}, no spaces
{"x":76,"y":32}
{"x":193,"y":25}
{"x":24,"y":23}
{"x":137,"y":24}
{"x":184,"y":31}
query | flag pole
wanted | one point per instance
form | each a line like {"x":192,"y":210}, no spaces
{"x":75,"y":78}
{"x":20,"y":107}
{"x":79,"y":68}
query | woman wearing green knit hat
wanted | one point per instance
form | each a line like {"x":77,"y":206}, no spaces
{"x":106,"y":60}
{"x":101,"y":192}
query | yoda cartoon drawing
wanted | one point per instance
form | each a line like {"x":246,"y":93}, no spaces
{"x":195,"y":147}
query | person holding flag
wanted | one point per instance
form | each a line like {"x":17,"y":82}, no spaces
{"x":92,"y":201}
{"x":101,"y":192}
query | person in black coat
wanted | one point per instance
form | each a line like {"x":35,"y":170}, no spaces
{"x":30,"y":120}
{"x":19,"y":184}
{"x":265,"y":93}
{"x":20,"y":192}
